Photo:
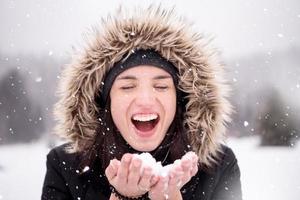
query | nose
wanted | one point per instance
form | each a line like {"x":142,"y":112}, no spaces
{"x":145,"y":97}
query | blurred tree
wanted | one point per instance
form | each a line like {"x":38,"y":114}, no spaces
{"x":276,"y":123}
{"x":20,"y":117}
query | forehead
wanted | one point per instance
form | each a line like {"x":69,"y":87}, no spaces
{"x":144,"y":71}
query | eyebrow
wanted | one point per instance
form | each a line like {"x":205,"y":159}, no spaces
{"x":130,"y":77}
{"x":126,"y":77}
{"x":162,"y":77}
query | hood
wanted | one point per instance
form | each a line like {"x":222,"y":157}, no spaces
{"x":200,"y":77}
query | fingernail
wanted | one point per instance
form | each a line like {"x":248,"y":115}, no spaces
{"x":126,"y":158}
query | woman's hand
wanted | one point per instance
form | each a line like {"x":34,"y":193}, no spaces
{"x":168,"y":187}
{"x":127,"y":178}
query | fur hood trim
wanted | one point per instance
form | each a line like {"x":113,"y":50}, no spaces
{"x":200,"y":77}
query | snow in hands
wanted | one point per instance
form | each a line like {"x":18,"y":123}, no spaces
{"x":157,"y":168}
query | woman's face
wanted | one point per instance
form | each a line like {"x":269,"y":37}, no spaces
{"x":143,"y":105}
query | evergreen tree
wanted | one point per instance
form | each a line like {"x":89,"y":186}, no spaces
{"x":277,"y":126}
{"x":20,"y":117}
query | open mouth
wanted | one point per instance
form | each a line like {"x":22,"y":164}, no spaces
{"x":145,"y":122}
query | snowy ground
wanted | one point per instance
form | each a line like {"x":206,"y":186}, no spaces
{"x":267,"y":173}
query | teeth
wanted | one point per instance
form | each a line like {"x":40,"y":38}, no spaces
{"x":145,"y":117}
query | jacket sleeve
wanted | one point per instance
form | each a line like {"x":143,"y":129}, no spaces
{"x":229,"y":184}
{"x":54,"y":184}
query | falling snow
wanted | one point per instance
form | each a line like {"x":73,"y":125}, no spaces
{"x":38,"y":79}
{"x":86,"y":168}
{"x":11,"y":131}
{"x":280,"y":35}
{"x":274,"y":185}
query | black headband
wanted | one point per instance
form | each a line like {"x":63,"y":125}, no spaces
{"x":139,"y":57}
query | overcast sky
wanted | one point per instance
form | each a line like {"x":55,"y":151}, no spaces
{"x":240,"y":27}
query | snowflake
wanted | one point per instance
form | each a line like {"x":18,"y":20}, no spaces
{"x":280,"y":35}
{"x":86,"y":168}
{"x":38,"y":79}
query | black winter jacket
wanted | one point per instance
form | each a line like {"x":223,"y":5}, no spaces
{"x":63,"y":180}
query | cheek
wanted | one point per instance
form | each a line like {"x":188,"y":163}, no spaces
{"x":169,"y":103}
{"x":119,"y":107}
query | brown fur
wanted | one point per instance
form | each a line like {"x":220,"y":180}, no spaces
{"x":207,"y":110}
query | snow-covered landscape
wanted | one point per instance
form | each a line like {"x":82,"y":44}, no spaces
{"x":258,"y":40}
{"x":268,"y":173}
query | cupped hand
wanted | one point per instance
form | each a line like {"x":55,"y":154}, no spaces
{"x":168,"y":187}
{"x":128,"y":177}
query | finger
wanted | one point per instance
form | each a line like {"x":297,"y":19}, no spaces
{"x":194,"y":169}
{"x":123,"y":169}
{"x":176,"y":177}
{"x":174,"y":186}
{"x":159,"y":190}
{"x":195,"y":159}
{"x":185,"y":170}
{"x":134,"y":172}
{"x":173,"y":178}
{"x":111,"y":171}
{"x":186,"y":165}
{"x":154,"y":180}
{"x":195,"y":163}
{"x":144,"y":183}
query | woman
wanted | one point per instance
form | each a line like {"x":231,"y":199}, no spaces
{"x":145,"y":83}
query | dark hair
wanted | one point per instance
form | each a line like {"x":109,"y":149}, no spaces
{"x":109,"y":143}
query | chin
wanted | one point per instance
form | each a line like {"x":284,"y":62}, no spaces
{"x":144,"y":147}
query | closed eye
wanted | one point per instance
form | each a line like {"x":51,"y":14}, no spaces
{"x":127,"y":87}
{"x":161,"y":88}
